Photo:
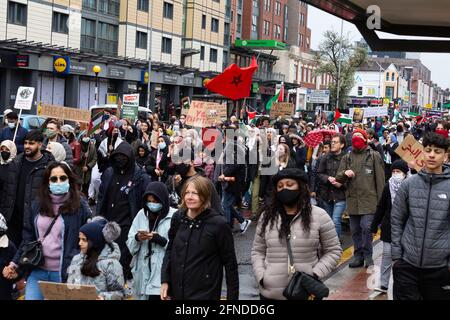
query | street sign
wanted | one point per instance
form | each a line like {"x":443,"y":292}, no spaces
{"x":24,"y":98}
{"x":318,"y":96}
{"x":261,"y":44}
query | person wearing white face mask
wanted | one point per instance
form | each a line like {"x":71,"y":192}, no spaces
{"x":159,"y":160}
{"x":147,"y":241}
{"x":382,"y":217}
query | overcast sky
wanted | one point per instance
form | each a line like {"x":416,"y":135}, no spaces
{"x":320,"y":21}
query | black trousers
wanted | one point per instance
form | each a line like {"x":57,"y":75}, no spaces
{"x":412,"y":283}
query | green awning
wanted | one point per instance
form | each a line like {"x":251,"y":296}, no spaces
{"x":261,"y":44}
{"x":413,"y":114}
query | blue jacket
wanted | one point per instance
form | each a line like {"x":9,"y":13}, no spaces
{"x":70,"y":238}
{"x":8,"y":134}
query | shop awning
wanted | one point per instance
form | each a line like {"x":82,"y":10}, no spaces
{"x":400,"y":17}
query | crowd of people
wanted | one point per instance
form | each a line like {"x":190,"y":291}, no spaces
{"x":151,"y":206}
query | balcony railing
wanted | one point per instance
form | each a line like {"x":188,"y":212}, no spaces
{"x":87,"y":43}
{"x":269,"y":76}
{"x":107,"y":46}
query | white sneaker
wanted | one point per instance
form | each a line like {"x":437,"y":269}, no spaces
{"x":245,"y":225}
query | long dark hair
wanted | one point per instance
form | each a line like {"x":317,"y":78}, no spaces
{"x":276,"y":208}
{"x":89,"y":267}
{"x":71,"y":205}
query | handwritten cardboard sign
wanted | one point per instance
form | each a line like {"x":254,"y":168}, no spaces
{"x":65,"y":291}
{"x":411,"y":151}
{"x":204,"y":114}
{"x":64,"y":113}
{"x":282,"y":109}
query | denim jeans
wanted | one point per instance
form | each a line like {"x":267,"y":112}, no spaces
{"x":335,"y":210}
{"x":386,"y":265}
{"x":361,"y":235}
{"x":228,"y":204}
{"x":32,"y":290}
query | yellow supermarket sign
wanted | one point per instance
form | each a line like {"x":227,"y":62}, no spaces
{"x":61,"y":65}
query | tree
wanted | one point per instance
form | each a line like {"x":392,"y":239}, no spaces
{"x":333,"y":50}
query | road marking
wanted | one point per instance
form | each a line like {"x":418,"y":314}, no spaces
{"x":348,"y":253}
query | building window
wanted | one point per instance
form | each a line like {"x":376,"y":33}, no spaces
{"x":141,"y":40}
{"x":60,"y":24}
{"x":276,"y":31}
{"x":166,"y":45}
{"x":387,"y":76}
{"x":277,"y":8}
{"x":90,"y":4}
{"x":168,"y":10}
{"x":213,"y":55}
{"x":17,"y":13}
{"x":240,"y":4}
{"x":143,"y":5}
{"x":203,"y":21}
{"x":286,"y":9}
{"x":108,"y":35}
{"x":307,"y":42}
{"x":301,"y":40}
{"x":255,"y":4}
{"x":218,"y":1}
{"x":202,"y":53}
{"x":109,"y":7}
{"x":239,"y":23}
{"x":360,"y":91}
{"x":267,"y":5}
{"x":393,"y":76}
{"x":266,"y":27}
{"x":214,"y":25}
{"x":285,"y":34}
{"x":88,"y":34}
{"x":254,"y":23}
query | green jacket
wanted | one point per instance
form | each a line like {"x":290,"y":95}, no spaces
{"x":365,"y":189}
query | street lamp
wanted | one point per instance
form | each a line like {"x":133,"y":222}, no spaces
{"x":97,"y":69}
{"x":379,"y":79}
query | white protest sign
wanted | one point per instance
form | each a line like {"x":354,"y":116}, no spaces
{"x":372,"y":112}
{"x":24,"y":98}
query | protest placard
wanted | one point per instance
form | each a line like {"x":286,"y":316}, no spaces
{"x":411,"y":150}
{"x":64,"y":113}
{"x":282,"y":109}
{"x":204,"y":114}
{"x":371,"y":112}
{"x":66,"y":291}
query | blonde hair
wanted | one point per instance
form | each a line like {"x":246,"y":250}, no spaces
{"x":203,"y":187}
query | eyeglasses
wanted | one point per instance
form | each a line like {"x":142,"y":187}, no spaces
{"x":55,"y":179}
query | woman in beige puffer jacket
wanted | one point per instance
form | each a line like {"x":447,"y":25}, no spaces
{"x":315,"y":244}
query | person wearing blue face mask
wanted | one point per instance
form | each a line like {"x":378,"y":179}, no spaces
{"x":147,"y":241}
{"x":8,"y":131}
{"x":54,"y":218}
{"x":160,"y":160}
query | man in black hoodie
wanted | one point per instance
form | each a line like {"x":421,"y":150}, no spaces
{"x":120,"y":195}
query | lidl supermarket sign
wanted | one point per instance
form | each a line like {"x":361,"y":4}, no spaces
{"x":61,"y":65}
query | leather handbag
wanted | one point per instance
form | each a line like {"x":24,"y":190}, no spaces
{"x":32,"y":255}
{"x":302,"y":286}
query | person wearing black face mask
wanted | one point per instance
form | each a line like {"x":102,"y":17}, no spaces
{"x":8,"y":152}
{"x":308,"y":228}
{"x":120,"y":195}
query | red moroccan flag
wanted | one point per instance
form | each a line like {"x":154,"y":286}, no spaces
{"x":233,"y":82}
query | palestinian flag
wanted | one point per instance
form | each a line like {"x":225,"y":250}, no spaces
{"x":337,"y":115}
{"x":96,"y":120}
{"x":275,"y":98}
{"x":344,"y":118}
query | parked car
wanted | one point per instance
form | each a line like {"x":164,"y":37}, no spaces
{"x":29,"y":121}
